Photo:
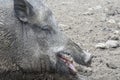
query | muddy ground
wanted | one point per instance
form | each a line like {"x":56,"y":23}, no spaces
{"x":89,"y":22}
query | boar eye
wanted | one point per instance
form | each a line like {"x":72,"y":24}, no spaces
{"x":46,"y":28}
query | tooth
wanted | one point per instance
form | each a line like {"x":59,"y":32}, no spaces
{"x":72,"y":67}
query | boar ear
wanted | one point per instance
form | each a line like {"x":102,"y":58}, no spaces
{"x":23,"y":10}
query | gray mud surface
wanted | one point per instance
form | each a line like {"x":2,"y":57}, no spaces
{"x":89,"y":22}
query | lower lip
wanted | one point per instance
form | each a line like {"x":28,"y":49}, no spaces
{"x":70,"y":65}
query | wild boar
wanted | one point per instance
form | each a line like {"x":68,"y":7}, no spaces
{"x":32,"y":46}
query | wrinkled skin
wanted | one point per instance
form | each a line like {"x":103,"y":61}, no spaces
{"x":30,"y":42}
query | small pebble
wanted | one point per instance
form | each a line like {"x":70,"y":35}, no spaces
{"x":116,"y":32}
{"x":111,"y":21}
{"x":1,"y":23}
{"x":62,"y":25}
{"x":101,"y":45}
{"x":90,"y":9}
{"x":112,"y":44}
{"x":108,"y":44}
{"x":114,"y":37}
{"x":88,"y":13}
{"x":111,"y":65}
{"x":98,"y":7}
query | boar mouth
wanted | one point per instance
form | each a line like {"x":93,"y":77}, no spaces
{"x":69,"y":62}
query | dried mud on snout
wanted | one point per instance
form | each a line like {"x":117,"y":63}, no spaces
{"x":89,"y":22}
